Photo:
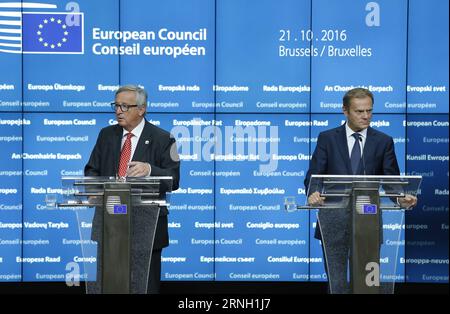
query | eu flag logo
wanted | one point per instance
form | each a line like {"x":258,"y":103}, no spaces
{"x":52,"y":33}
{"x":120,"y":209}
{"x":370,"y":209}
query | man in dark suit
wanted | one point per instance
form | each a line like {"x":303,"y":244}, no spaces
{"x":336,"y":153}
{"x":149,"y":150}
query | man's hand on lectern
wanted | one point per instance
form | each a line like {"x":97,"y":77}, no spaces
{"x":95,"y":200}
{"x":408,"y":201}
{"x":138,"y":169}
{"x":315,"y":199}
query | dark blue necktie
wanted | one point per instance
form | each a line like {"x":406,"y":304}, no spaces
{"x":355,"y":156}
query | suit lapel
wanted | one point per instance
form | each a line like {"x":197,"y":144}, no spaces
{"x":116,"y":146}
{"x":343,"y":148}
{"x":143,"y":144}
{"x":369,"y":147}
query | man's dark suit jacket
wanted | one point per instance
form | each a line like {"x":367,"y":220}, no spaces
{"x":155,"y":146}
{"x":331,"y":155}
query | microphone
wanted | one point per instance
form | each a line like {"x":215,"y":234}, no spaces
{"x":362,"y":154}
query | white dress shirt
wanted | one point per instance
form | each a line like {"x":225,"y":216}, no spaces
{"x":351,"y":140}
{"x":137,"y":131}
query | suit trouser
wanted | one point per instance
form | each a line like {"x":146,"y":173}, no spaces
{"x":154,"y":277}
{"x":335,"y":235}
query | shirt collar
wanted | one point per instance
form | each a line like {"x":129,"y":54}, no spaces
{"x":137,"y":131}
{"x":349,"y":132}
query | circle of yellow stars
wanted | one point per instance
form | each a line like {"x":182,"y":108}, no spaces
{"x":41,"y":28}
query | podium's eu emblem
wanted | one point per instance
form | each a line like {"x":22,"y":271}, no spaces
{"x":120,"y":209}
{"x":370,"y":209}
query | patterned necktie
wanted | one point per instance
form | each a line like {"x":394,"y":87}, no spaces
{"x":125,"y":156}
{"x":355,"y":156}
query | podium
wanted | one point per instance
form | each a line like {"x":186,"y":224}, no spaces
{"x":361,"y":204}
{"x":117,"y":220}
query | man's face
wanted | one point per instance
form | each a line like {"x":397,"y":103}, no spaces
{"x":359,"y":113}
{"x":131,"y":118}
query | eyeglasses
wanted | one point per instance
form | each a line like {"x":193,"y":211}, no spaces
{"x":123,"y":107}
